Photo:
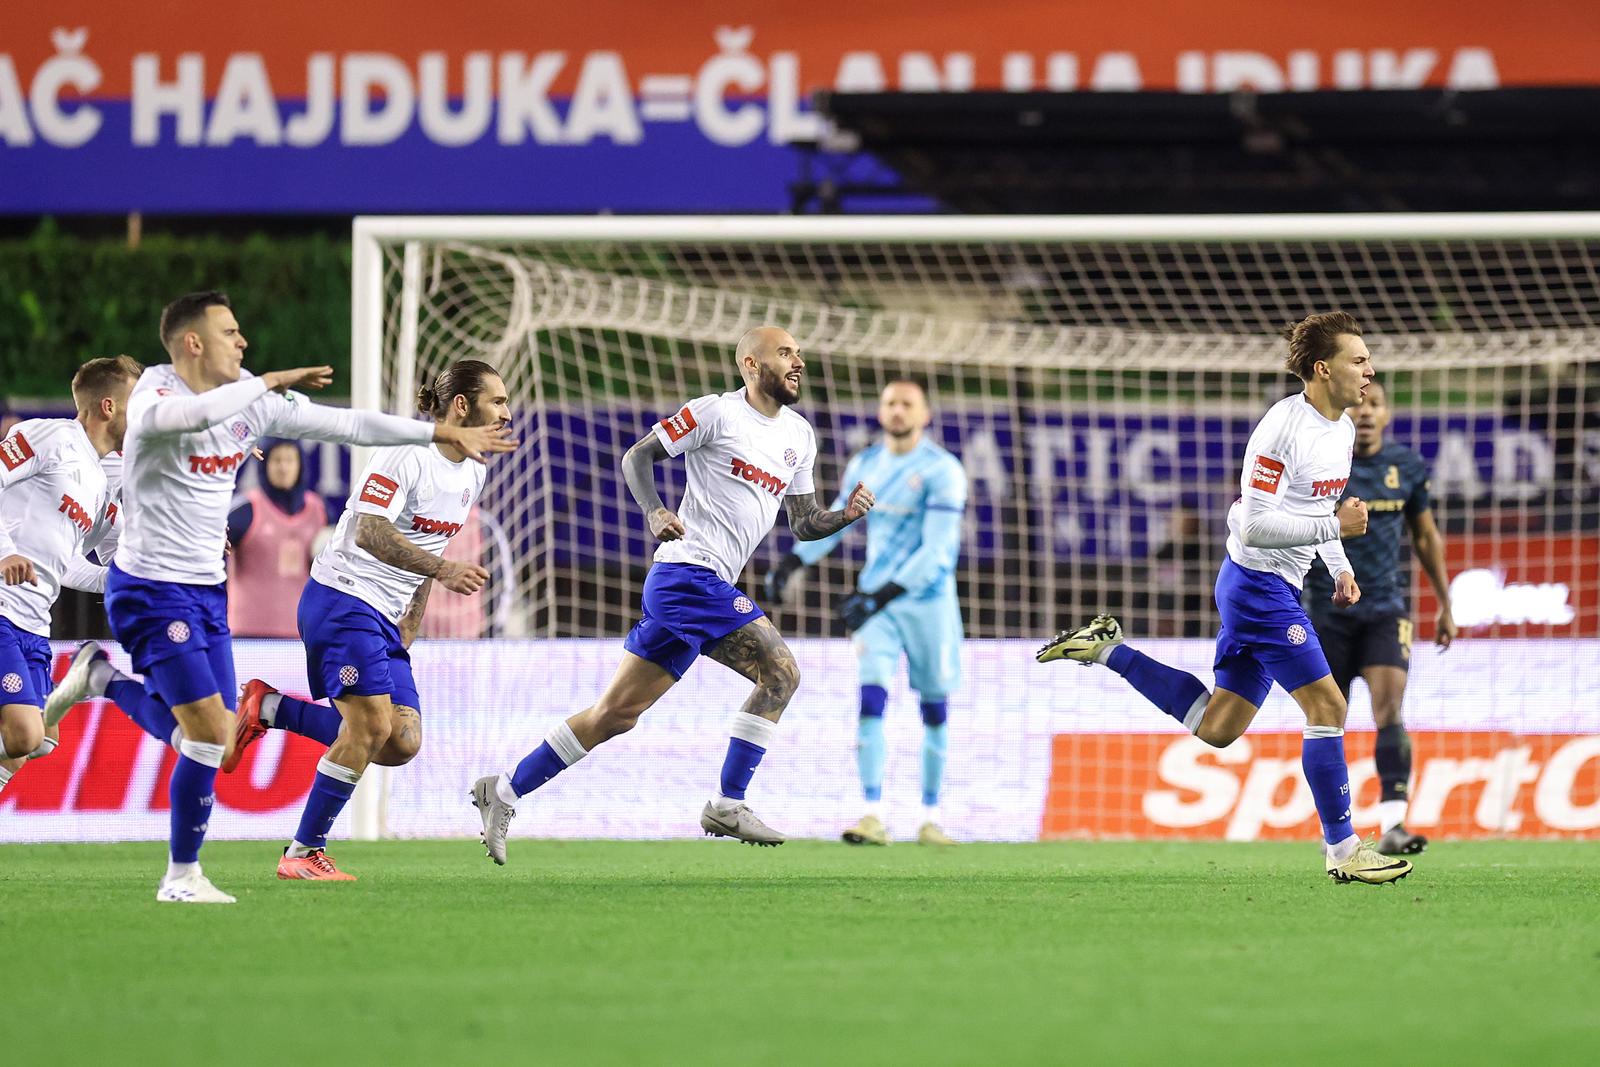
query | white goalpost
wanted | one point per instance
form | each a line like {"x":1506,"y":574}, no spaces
{"x":1096,"y":375}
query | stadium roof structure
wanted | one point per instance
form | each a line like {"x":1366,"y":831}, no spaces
{"x":1167,"y":152}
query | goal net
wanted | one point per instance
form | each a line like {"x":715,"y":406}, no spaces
{"x":1098,"y":379}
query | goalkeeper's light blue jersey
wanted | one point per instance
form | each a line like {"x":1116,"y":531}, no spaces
{"x":914,"y":530}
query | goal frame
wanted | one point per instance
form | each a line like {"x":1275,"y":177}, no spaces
{"x":370,"y":233}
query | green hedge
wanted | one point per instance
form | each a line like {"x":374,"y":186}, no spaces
{"x":66,"y":299}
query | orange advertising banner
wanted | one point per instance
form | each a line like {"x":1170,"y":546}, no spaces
{"x":1464,"y":785}
{"x":1056,"y":44}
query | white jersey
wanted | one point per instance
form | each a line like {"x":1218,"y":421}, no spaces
{"x":183,"y":453}
{"x":426,"y":497}
{"x":1295,"y":467}
{"x":53,"y":504}
{"x":741,"y":464}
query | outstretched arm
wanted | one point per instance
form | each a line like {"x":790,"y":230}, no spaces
{"x":639,"y":471}
{"x":1428,"y":544}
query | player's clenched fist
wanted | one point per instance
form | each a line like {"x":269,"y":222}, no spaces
{"x":464,"y":578}
{"x":861,"y":501}
{"x":1345,"y":590}
{"x":665,"y":525}
{"x":18,"y":569}
{"x":1353,"y":517}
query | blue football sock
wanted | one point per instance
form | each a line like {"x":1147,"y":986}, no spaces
{"x":191,"y":794}
{"x":933,"y":752}
{"x":1322,"y":759}
{"x":872,"y":751}
{"x":330,"y":792}
{"x":536,"y":768}
{"x":1173,"y":691}
{"x":316,"y":721}
{"x":143,"y":707}
{"x":739,"y":766}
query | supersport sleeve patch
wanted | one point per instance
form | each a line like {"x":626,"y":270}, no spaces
{"x":379,"y":490}
{"x":680,"y":425}
{"x":15,"y":451}
{"x":1267,"y":474}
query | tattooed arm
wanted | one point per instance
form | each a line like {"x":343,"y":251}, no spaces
{"x":377,"y":536}
{"x":411,"y":621}
{"x":639,"y":471}
{"x":808,"y":522}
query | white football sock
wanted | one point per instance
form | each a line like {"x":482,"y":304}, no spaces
{"x":269,"y":708}
{"x":1340,"y":851}
{"x":1391,"y":813}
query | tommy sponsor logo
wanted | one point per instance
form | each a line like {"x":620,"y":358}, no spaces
{"x":743,"y":605}
{"x":15,"y":451}
{"x":111,"y":514}
{"x":12,"y":682}
{"x":1266,"y":474}
{"x":215,"y":464}
{"x":74,"y":511}
{"x":177,"y":631}
{"x":1329,"y":486}
{"x":680,"y":425}
{"x":751,"y":473}
{"x":379,"y":490}
{"x":435,"y":526}
{"x":1297,"y":634}
{"x":348,"y":675}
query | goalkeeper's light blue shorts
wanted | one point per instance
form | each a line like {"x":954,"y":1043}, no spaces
{"x":927,"y":632}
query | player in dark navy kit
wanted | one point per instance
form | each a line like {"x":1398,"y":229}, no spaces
{"x":1371,"y":639}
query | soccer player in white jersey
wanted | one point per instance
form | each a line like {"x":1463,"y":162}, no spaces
{"x":905,"y":603}
{"x":363,"y":604}
{"x":55,"y":506}
{"x":191,"y":423}
{"x":744,"y":452}
{"x":1295,"y":467}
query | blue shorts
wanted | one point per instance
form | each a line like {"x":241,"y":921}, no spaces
{"x":352,"y":649}
{"x":927,"y":632}
{"x":685,"y":608}
{"x":176,"y":634}
{"x":1265,"y":637}
{"x":24,"y":666}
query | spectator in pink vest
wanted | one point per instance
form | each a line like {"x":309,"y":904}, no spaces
{"x":272,"y":529}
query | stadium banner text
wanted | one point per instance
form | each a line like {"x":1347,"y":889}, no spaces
{"x":1507,"y":740}
{"x":497,"y":106}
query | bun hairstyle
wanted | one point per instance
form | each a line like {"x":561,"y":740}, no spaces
{"x":1316,"y":338}
{"x":464,"y":377}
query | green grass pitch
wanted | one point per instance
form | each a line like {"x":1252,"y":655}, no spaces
{"x":706,"y":952}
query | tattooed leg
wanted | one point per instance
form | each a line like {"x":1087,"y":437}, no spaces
{"x":757,"y":651}
{"x":405,"y":738}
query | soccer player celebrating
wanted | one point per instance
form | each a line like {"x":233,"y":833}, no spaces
{"x":1372,"y":639}
{"x":905,"y":603}
{"x":191,"y":423}
{"x":1295,"y":466}
{"x":361,"y":608}
{"x":54,"y":507}
{"x":744,"y":451}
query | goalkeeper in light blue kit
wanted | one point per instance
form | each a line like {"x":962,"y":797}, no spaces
{"x":906,"y":599}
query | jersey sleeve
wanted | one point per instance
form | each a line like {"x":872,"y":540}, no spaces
{"x":804,"y":480}
{"x":812,"y":551}
{"x":387,"y":483}
{"x":26,"y":451}
{"x":944,"y":501}
{"x":157,"y":413}
{"x":691,"y":426}
{"x":1269,"y":464}
{"x":294,"y":415}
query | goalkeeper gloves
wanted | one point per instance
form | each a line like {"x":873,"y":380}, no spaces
{"x":859,"y":607}
{"x":777,"y":578}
